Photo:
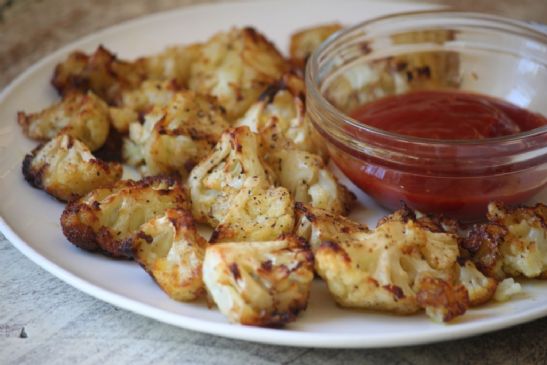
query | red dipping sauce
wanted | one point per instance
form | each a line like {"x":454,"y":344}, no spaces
{"x":447,"y":183}
{"x":447,"y":115}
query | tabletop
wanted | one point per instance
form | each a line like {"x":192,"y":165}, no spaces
{"x":44,"y":320}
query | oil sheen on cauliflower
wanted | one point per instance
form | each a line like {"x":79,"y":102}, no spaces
{"x":259,"y":283}
{"x":513,"y":243}
{"x":175,"y":137}
{"x":65,"y":168}
{"x":83,"y":116}
{"x":256,"y":214}
{"x":309,"y":180}
{"x":279,"y":116}
{"x":170,"y":249}
{"x":236,"y":66}
{"x":217,"y":179}
{"x":105,"y":219}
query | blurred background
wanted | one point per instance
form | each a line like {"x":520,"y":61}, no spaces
{"x":31,"y":29}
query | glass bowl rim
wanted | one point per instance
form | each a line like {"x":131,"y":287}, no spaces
{"x":312,"y":88}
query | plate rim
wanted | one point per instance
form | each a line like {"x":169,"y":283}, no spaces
{"x":293,"y":338}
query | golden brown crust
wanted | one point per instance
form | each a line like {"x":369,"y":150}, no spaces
{"x":442,"y":300}
{"x":65,"y":168}
{"x":105,"y":219}
{"x":101,"y":72}
{"x":170,"y":249}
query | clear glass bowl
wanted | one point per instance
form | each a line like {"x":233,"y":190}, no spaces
{"x":427,"y":51}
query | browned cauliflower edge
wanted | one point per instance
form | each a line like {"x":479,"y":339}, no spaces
{"x":105,"y":219}
{"x":171,"y":250}
{"x":65,"y":168}
{"x":259,"y":283}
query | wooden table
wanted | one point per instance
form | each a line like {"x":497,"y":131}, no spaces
{"x":43,"y":320}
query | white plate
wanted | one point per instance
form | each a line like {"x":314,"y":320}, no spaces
{"x":30,"y":218}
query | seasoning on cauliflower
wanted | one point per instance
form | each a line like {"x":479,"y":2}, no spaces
{"x":236,"y":66}
{"x":141,"y":100}
{"x":171,"y":250}
{"x":256,"y":214}
{"x":106,"y":218}
{"x":259,"y":283}
{"x":513,"y":243}
{"x":279,"y":116}
{"x":174,"y":63}
{"x":217,"y":179}
{"x":65,"y":168}
{"x":175,"y":137}
{"x":398,"y":267}
{"x":317,"y":225}
{"x":83,"y":116}
{"x":305,"y":41}
{"x":310,"y":181}
{"x":101,"y":72}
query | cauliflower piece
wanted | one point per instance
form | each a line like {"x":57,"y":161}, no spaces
{"x":217,"y":179}
{"x":170,"y":249}
{"x":259,"y":283}
{"x":83,"y":116}
{"x":317,"y":225}
{"x":137,"y":102}
{"x":513,"y":243}
{"x":398,"y":267}
{"x":506,"y":289}
{"x":480,"y":288}
{"x":65,"y":168}
{"x":105,"y":219}
{"x":175,"y":137}
{"x":441,"y":300}
{"x":101,"y":72}
{"x":174,"y":63}
{"x":236,"y":66}
{"x":310,"y":181}
{"x":279,"y":116}
{"x":256,"y":214}
{"x":305,"y":41}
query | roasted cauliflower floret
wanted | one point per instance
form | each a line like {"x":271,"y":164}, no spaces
{"x":305,"y":41}
{"x":175,"y":137}
{"x":218,"y":178}
{"x":105,"y":219}
{"x":170,"y":249}
{"x":317,"y":225}
{"x":236,"y":66}
{"x":101,"y":72}
{"x":479,"y":287}
{"x":279,"y":116}
{"x":394,"y":268}
{"x":259,"y":283}
{"x":137,"y":102}
{"x":83,"y":116}
{"x":174,"y":63}
{"x":513,"y":243}
{"x":256,"y":214}
{"x":65,"y":168}
{"x":309,"y":180}
{"x":506,"y":289}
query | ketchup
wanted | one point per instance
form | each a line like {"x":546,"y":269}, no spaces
{"x":449,"y":185}
{"x":447,"y":115}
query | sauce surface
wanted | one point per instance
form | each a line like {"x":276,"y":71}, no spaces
{"x":447,"y":115}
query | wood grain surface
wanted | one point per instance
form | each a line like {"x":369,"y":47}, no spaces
{"x":45,"y":321}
